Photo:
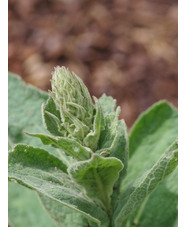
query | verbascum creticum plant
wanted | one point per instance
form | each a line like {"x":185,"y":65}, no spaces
{"x":84,"y":175}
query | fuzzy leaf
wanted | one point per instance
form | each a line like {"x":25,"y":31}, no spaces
{"x":35,"y":156}
{"x":36,"y":169}
{"x":24,"y":109}
{"x":97,"y":176}
{"x":158,"y":123}
{"x":161,"y":117}
{"x":25,"y":115}
{"x":107,"y":103}
{"x":143,"y":186}
{"x":109,"y":132}
{"x":64,"y":216}
{"x":24,"y":209}
{"x":114,"y":138}
{"x":91,"y":140}
{"x":119,"y":147}
{"x":152,"y":133}
{"x":160,"y":208}
{"x":51,"y":117}
{"x":69,"y":146}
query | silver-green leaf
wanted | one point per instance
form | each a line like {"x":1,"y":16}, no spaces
{"x":38,"y":170}
{"x":51,"y":117}
{"x":97,"y":176}
{"x":69,"y":146}
{"x":63,"y":215}
{"x":91,"y":140}
{"x":151,"y":134}
{"x":143,"y":186}
{"x":114,"y":138}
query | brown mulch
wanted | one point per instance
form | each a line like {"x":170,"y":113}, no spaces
{"x":125,"y":48}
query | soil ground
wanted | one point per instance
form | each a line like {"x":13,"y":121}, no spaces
{"x":125,"y":48}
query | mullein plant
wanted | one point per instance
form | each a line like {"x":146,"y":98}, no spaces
{"x":88,"y":178}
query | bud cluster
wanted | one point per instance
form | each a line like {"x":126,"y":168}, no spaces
{"x":73,"y":101}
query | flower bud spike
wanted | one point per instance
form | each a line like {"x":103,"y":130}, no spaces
{"x":74,"y":103}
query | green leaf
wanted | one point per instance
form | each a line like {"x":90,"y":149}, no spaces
{"x":34,"y":157}
{"x":69,"y":146}
{"x":160,"y":208}
{"x":158,"y":123}
{"x":119,"y":147}
{"x":114,"y":139}
{"x":154,"y":130}
{"x":107,"y":103}
{"x":64,"y":216}
{"x":143,"y":186}
{"x":152,"y":133}
{"x":97,"y":176}
{"x":25,"y":115}
{"x":24,"y":109}
{"x":51,"y":117}
{"x":36,"y":169}
{"x":24,"y":209}
{"x":108,"y":133}
{"x":91,"y":140}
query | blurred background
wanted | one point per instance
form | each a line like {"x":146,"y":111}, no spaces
{"x":124,"y":48}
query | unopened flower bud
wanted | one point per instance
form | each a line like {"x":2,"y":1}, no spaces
{"x":73,"y":101}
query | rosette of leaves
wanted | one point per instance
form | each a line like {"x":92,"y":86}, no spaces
{"x":82,"y":179}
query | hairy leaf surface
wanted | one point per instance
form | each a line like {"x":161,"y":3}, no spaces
{"x":64,"y":216}
{"x":108,"y":104}
{"x":78,"y":196}
{"x":160,"y":208}
{"x":51,"y":117}
{"x":143,"y":186}
{"x":24,"y":112}
{"x":24,"y":208}
{"x":38,"y":170}
{"x":91,"y":140}
{"x":152,"y":133}
{"x":69,"y":146}
{"x":97,"y":175}
{"x":114,"y":138}
{"x":25,"y":115}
